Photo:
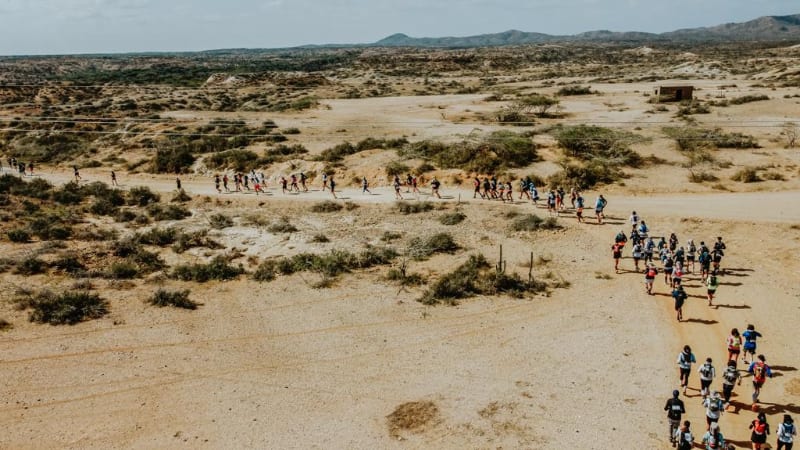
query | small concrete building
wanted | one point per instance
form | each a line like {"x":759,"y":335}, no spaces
{"x":674,"y":93}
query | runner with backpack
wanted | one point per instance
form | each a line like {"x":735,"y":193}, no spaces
{"x":730,"y":377}
{"x":705,"y":262}
{"x":714,"y":408}
{"x":707,"y":375}
{"x":711,"y":286}
{"x":691,"y":254}
{"x":760,"y":371}
{"x":616,"y":253}
{"x":734,"y":343}
{"x":683,"y":437}
{"x":674,"y":408}
{"x":638,"y":254}
{"x":680,"y":297}
{"x":650,"y":273}
{"x":685,"y":361}
{"x":713,"y":438}
{"x":760,"y":431}
{"x":750,"y":336}
{"x":786,"y":433}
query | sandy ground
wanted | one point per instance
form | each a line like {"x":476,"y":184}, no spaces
{"x":282,"y":365}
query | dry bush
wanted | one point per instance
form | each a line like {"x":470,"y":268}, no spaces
{"x":176,"y":299}
{"x":66,"y":308}
{"x":701,"y":176}
{"x":412,"y":416}
{"x":746,"y":175}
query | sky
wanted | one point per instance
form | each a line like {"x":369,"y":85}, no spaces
{"x":30,"y":27}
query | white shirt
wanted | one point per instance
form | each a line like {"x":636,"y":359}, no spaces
{"x":713,"y":414}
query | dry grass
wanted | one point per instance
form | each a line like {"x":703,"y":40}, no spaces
{"x":412,"y":417}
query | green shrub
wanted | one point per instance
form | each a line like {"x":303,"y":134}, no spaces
{"x":177,"y":299}
{"x":405,"y":279}
{"x":396,"y":168}
{"x":217,"y":269}
{"x":586,"y":176}
{"x":746,"y":175}
{"x":589,"y":142}
{"x":319,"y":239}
{"x":282,"y":226}
{"x":220,"y":221}
{"x":498,"y":151}
{"x":327,"y":206}
{"x":125,"y":215}
{"x":389,"y":236}
{"x":30,"y":266}
{"x":181,"y":197}
{"x":424,"y":168}
{"x":172,"y":160}
{"x":18,"y":236}
{"x":236,"y":159}
{"x":575,"y":90}
{"x":161,"y":237}
{"x":531,"y":222}
{"x":453,"y":218}
{"x":773,"y":176}
{"x":69,"y":264}
{"x":339,"y":152}
{"x":748,"y":99}
{"x":691,"y":139}
{"x":122,"y":270}
{"x":142,"y":196}
{"x":69,"y":194}
{"x":38,"y":188}
{"x":413,"y":208}
{"x":167,"y":212}
{"x":265,"y":272}
{"x":328,"y":265}
{"x":185,"y":241}
{"x":423,"y":248}
{"x":66,"y":308}
{"x":103,"y":207}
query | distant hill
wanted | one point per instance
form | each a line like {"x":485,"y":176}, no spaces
{"x":768,"y":28}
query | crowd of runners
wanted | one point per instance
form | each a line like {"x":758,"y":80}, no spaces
{"x":666,"y":255}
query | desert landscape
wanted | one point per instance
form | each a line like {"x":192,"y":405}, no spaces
{"x":158,"y":310}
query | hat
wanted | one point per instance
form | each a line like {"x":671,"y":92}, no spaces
{"x":675,"y":394}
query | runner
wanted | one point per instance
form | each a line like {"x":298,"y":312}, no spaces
{"x":684,"y":437}
{"x":616,"y":253}
{"x":76,"y":173}
{"x":680,"y":298}
{"x":216,"y":183}
{"x":409,"y":182}
{"x":685,"y":361}
{"x":509,"y":192}
{"x":284,"y":183}
{"x":734,"y":343}
{"x":178,"y":183}
{"x":501,"y":189}
{"x":729,"y":377}
{"x":476,"y":183}
{"x":487,"y":189}
{"x":579,"y":210}
{"x":365,"y":186}
{"x":649,"y":246}
{"x":714,"y":407}
{"x":303,"y":179}
{"x":573,"y":196}
{"x":523,"y":188}
{"x":643,"y":230}
{"x":534,"y":194}
{"x":677,"y":275}
{"x":396,"y":184}
{"x":716,"y":258}
{"x":638,"y":254}
{"x":750,"y":336}
{"x":113,"y":178}
{"x":713,"y":438}
{"x":225,"y":182}
{"x":707,"y":375}
{"x":436,"y":184}
{"x":599,"y":207}
{"x":705,"y":262}
{"x":675,"y":409}
{"x":333,"y":186}
{"x":30,"y":169}
{"x":634,"y":219}
{"x":711,"y":286}
{"x":786,"y":433}
{"x":650,"y":273}
{"x":324,"y":181}
{"x":414,"y":188}
{"x":669,"y":265}
{"x":293,"y":186}
{"x":760,"y":371}
{"x":691,"y":253}
{"x":551,"y":203}
{"x":760,"y":429}
{"x":673,"y":242}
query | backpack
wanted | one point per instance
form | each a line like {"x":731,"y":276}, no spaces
{"x":786,"y":431}
{"x":651,"y":273}
{"x":706,"y":370}
{"x":759,"y":427}
{"x":759,"y":372}
{"x":731,"y":375}
{"x":713,"y":280}
{"x":713,"y":440}
{"x":713,"y":405}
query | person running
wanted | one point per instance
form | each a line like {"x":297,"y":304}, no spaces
{"x":365,"y":186}
{"x":216,"y":183}
{"x":396,"y":184}
{"x":414,"y":187}
{"x":713,"y":438}
{"x":30,"y":169}
{"x":551,"y":203}
{"x":714,"y":408}
{"x":435,"y":185}
{"x":760,"y":430}
{"x":716,"y":259}
{"x":487,"y":188}
{"x":114,"y":178}
{"x":178,"y":183}
{"x":534,"y":193}
{"x":634,"y":219}
{"x":476,"y":183}
{"x":573,"y":196}
{"x":734,"y":343}
{"x":579,"y":207}
{"x":707,"y":374}
{"x":675,"y":409}
{"x":683,"y":437}
{"x":685,"y":361}
{"x":621,"y":239}
{"x":679,"y":295}
{"x":324,"y":181}
{"x":559,"y":199}
{"x":786,"y":433}
{"x":691,"y":254}
{"x":294,"y":186}
{"x":284,"y":184}
{"x":711,"y":287}
{"x":730,"y":377}
{"x":649,"y":246}
{"x":643,"y":230}
{"x":509,"y":191}
{"x":599,"y":207}
{"x":638,"y":254}
{"x":673,"y":242}
{"x":76,"y":174}
{"x":705,"y":262}
{"x":523,"y":188}
{"x":303,"y":179}
{"x":669,"y":266}
{"x":750,"y":336}
{"x":650,"y":273}
{"x":493,"y":190}
{"x":677,"y":275}
{"x":616,"y":253}
{"x":256,"y":186}
{"x":333,"y":186}
{"x":760,"y":371}
{"x":501,"y":189}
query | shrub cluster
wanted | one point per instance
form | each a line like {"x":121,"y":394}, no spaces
{"x":593,"y":143}
{"x":66,"y":308}
{"x":219,"y":268}
{"x":176,"y":299}
{"x":331,"y":264}
{"x":413,"y":208}
{"x":498,"y":151}
{"x":423,"y":248}
{"x":532,"y":222}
